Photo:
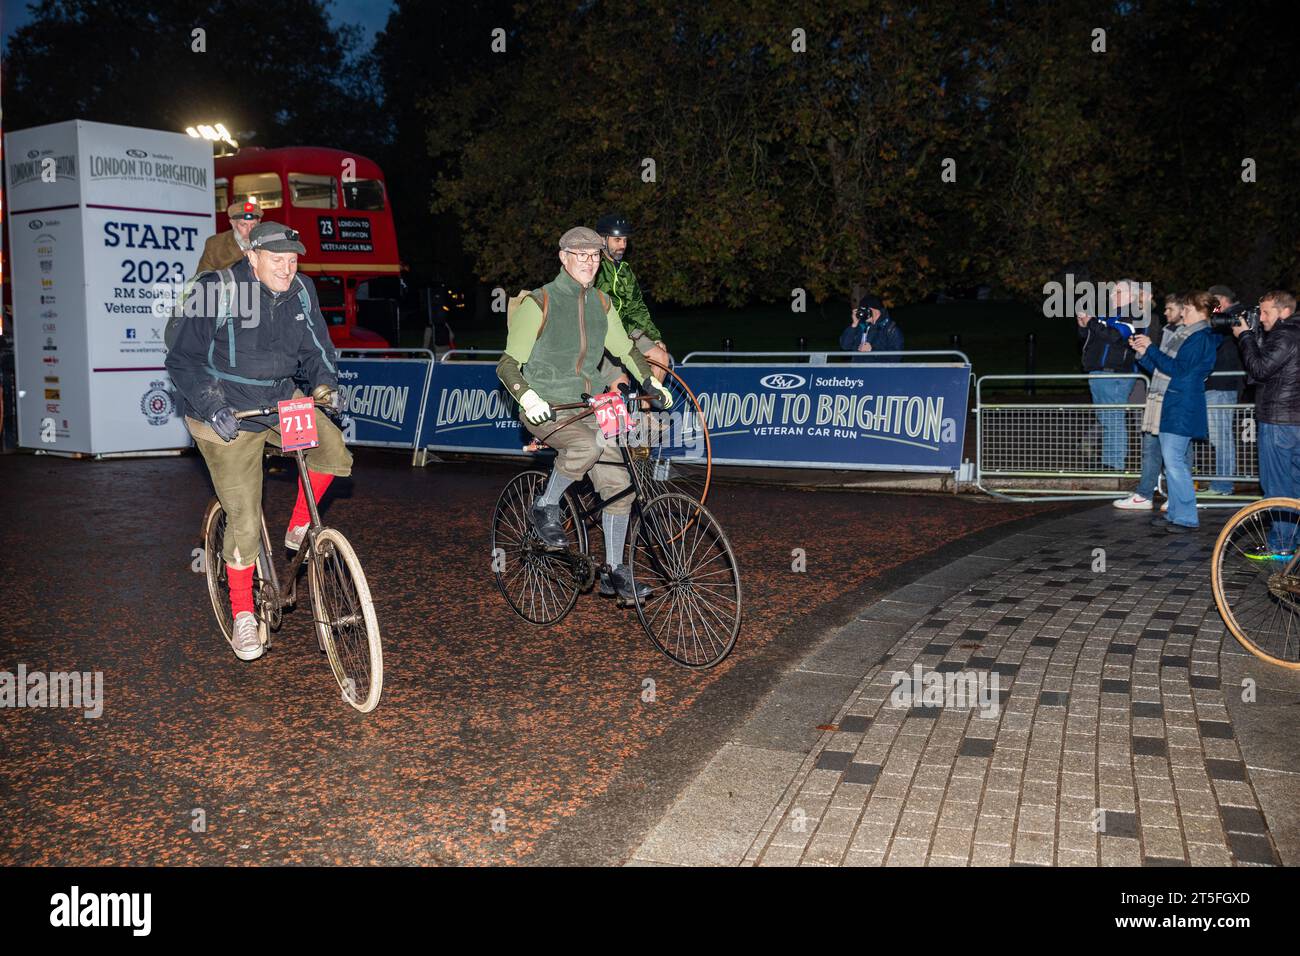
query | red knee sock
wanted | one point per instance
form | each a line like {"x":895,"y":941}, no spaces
{"x":241,"y":588}
{"x":319,"y":482}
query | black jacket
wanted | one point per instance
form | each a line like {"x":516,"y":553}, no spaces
{"x":1228,"y":358}
{"x":1273,"y":361}
{"x":1105,"y":349}
{"x":272,"y":344}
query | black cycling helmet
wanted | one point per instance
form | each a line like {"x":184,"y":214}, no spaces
{"x":612,"y":224}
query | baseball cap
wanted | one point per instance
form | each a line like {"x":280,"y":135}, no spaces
{"x":581,"y":238}
{"x":248,"y":208}
{"x":275,"y":237}
{"x":871,"y":302}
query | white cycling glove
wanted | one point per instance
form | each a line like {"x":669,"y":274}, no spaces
{"x":665,"y":396}
{"x":536,"y":409}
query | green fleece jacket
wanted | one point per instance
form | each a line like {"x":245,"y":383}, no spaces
{"x":557,"y":358}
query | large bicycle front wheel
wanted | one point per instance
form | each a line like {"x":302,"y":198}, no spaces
{"x":540,"y":585}
{"x":1256,"y":579}
{"x":680,"y":552}
{"x":345,"y":619}
{"x":672,"y":452}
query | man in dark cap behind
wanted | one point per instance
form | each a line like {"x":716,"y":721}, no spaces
{"x":226,"y":248}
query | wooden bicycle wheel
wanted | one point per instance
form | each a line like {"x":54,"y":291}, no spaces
{"x":1255,"y":577}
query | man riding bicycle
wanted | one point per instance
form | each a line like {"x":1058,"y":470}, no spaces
{"x":617,"y":280}
{"x":243,"y":335}
{"x":557,"y":338}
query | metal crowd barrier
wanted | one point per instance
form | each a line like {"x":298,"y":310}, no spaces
{"x":1062,"y":442}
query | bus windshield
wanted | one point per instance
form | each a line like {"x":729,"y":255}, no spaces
{"x":364,"y":194}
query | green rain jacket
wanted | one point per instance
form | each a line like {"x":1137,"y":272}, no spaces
{"x":618,"y":281}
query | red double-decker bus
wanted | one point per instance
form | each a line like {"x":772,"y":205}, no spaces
{"x":339,"y":203}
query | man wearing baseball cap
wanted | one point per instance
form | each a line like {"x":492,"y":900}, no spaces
{"x":244,"y":335}
{"x":226,"y":248}
{"x":557,"y":337}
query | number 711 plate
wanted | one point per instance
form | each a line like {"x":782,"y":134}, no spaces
{"x":298,"y":424}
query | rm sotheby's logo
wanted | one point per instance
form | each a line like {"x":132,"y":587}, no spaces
{"x":133,"y":910}
{"x":780,"y":381}
{"x":156,"y":404}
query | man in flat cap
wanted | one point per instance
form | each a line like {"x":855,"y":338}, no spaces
{"x":226,"y":248}
{"x":245,"y":334}
{"x":557,"y":337}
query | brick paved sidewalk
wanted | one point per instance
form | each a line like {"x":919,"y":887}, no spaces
{"x":1118,"y":733}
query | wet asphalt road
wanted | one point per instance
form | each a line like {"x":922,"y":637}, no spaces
{"x":483,"y":721}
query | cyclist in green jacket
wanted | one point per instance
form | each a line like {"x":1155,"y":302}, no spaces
{"x":617,"y":280}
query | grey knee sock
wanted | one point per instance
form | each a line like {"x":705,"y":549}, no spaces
{"x":615,"y":528}
{"x":551,"y":496}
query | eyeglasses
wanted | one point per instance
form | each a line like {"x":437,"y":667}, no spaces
{"x":584,"y":256}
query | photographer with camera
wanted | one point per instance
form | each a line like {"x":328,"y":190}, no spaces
{"x":1106,"y":350}
{"x":1176,"y":403}
{"x":1270,"y":351}
{"x":1224,"y":389}
{"x":871,"y":329}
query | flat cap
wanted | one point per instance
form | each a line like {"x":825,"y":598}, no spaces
{"x":582,"y":238}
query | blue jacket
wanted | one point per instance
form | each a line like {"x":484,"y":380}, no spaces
{"x":1184,"y":406}
{"x":884,"y":336}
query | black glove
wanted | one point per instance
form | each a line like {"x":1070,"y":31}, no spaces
{"x":225,"y":424}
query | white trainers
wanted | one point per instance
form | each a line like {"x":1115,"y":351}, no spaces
{"x":1133,"y":502}
{"x":294,"y":536}
{"x":1165,"y":506}
{"x":247,"y":640}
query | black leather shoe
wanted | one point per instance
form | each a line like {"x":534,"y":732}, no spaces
{"x":1159,"y":521}
{"x":620,"y":582}
{"x":1180,"y":529}
{"x":549,"y":527}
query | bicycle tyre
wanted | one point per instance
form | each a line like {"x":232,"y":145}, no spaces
{"x":345,"y":620}
{"x":539,"y":585}
{"x":673,"y":539}
{"x":1241,"y":586}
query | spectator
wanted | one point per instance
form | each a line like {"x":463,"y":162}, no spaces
{"x":1106,"y":351}
{"x":1143,"y":499}
{"x":1271,"y":356}
{"x":1223,"y":390}
{"x":1177,"y":403}
{"x":871,"y":329}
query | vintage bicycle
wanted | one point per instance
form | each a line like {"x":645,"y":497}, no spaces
{"x":676,"y":548}
{"x":347,"y":630}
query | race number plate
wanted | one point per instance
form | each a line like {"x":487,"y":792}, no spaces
{"x":298,"y":424}
{"x":611,"y":415}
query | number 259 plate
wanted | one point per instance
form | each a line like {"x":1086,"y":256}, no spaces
{"x":298,"y":424}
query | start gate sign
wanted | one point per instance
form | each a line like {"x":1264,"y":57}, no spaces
{"x":104,"y":223}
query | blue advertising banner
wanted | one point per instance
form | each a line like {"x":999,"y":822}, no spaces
{"x":383,"y":399}
{"x":894,"y":417}
{"x":468,"y":410}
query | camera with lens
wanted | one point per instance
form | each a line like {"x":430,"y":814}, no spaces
{"x":863,"y":312}
{"x":1224,"y":321}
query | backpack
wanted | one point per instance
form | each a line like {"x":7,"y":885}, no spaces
{"x":225,"y":317}
{"x":543,"y":300}
{"x":224,"y":310}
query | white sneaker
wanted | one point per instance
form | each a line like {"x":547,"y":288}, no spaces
{"x":294,"y":536}
{"x":1133,"y":502}
{"x":1165,"y":506}
{"x":246,"y":641}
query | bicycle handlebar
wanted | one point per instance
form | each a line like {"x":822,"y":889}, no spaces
{"x":267,"y":410}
